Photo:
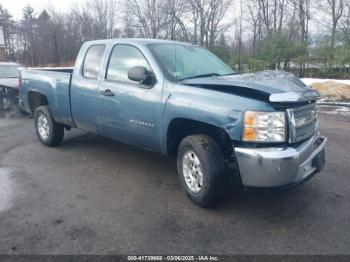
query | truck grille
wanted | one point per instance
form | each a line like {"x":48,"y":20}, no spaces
{"x":302,"y":122}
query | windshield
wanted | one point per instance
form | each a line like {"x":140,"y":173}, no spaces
{"x":9,"y":71}
{"x":182,"y":61}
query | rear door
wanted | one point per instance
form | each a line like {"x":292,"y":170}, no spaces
{"x":129,"y":111}
{"x":85,"y":88}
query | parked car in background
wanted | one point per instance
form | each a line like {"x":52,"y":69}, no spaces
{"x":182,"y":100}
{"x":9,"y":84}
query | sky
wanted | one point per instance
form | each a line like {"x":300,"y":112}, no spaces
{"x":15,"y":6}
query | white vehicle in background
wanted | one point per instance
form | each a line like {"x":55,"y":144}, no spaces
{"x":9,"y":84}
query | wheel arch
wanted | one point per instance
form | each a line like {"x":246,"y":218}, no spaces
{"x":36,"y":99}
{"x":179,"y":128}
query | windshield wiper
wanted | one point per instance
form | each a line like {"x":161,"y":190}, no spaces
{"x":199,"y":76}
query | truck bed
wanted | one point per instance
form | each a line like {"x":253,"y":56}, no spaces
{"x":55,"y":85}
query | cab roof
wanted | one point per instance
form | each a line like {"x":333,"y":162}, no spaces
{"x":142,"y":41}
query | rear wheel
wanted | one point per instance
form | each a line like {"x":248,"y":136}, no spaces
{"x":201,"y":169}
{"x":49,"y":132}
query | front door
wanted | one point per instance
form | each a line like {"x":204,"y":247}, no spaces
{"x":129,"y":111}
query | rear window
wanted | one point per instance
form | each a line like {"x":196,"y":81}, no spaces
{"x":92,"y":62}
{"x":9,"y":72}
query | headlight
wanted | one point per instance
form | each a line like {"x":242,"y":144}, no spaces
{"x":264,"y":127}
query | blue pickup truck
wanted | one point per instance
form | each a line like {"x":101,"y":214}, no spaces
{"x":259,"y":129}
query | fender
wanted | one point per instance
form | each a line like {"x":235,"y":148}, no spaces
{"x":54,"y":86}
{"x":225,"y":112}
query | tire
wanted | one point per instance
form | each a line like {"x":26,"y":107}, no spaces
{"x":52,"y":132}
{"x":212,"y":168}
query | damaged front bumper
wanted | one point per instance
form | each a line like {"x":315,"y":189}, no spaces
{"x":281,"y":166}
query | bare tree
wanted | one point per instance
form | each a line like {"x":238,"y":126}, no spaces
{"x":208,"y":16}
{"x":336,"y":8}
{"x":8,"y":30}
{"x":270,"y":15}
{"x":104,"y":13}
{"x":28,"y":25}
{"x":150,"y":16}
{"x":254,"y":22}
{"x":345,"y":22}
{"x":174,"y":25}
{"x":128,"y":21}
{"x":240,"y":33}
{"x":302,"y":9}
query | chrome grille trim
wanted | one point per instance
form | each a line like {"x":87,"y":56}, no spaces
{"x":302,"y":122}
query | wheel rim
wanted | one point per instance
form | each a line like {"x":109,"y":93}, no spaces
{"x":192,"y":171}
{"x":43,"y":126}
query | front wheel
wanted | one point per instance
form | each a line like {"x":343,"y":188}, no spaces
{"x":49,"y":132}
{"x":201,"y":169}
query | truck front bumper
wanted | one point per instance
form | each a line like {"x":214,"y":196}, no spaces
{"x":281,"y":166}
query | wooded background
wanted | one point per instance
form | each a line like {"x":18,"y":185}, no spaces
{"x":306,"y":37}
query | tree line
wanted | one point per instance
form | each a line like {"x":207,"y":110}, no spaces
{"x":306,"y":37}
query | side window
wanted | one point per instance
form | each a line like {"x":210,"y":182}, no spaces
{"x":123,"y":58}
{"x":92,"y":62}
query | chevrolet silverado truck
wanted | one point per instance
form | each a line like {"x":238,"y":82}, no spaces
{"x":181,"y":100}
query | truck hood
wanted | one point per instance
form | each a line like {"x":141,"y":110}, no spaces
{"x":272,"y":86}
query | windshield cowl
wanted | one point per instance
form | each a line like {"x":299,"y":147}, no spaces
{"x":205,"y":75}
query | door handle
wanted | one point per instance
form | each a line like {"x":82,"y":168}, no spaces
{"x":107,"y":92}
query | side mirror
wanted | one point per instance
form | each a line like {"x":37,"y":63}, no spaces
{"x":141,"y":74}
